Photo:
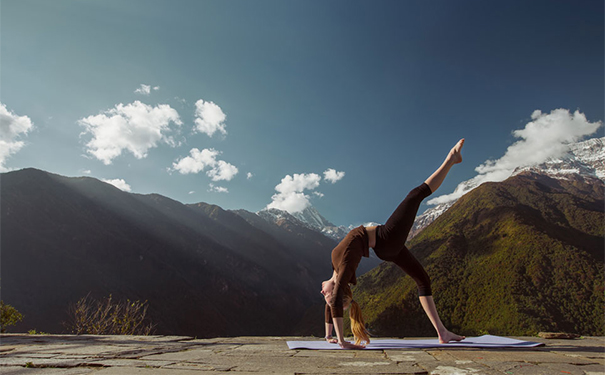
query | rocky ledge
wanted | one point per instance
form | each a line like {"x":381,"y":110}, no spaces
{"x":103,"y":355}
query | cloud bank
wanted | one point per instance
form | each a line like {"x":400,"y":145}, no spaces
{"x":198,"y":161}
{"x":546,"y":136}
{"x":291,"y":195}
{"x":209,"y":118}
{"x":12,"y":127}
{"x":135,"y":127}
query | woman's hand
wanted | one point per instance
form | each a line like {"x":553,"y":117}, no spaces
{"x":348,"y":345}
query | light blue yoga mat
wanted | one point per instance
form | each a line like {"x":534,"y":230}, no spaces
{"x":486,"y":341}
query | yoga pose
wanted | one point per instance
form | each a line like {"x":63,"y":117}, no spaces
{"x":388,"y":242}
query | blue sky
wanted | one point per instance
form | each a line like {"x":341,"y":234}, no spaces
{"x":243,"y":97}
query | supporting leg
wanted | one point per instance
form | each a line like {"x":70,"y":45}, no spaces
{"x":430,"y":309}
{"x":453,"y":157}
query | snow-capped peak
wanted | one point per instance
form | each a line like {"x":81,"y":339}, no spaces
{"x":584,"y":158}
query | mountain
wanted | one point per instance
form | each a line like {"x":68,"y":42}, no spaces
{"x":204,"y":271}
{"x":309,"y":220}
{"x":509,"y":258}
{"x":585,"y":158}
{"x":309,"y":217}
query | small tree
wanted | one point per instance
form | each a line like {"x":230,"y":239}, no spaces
{"x":106,"y":317}
{"x":9,"y":316}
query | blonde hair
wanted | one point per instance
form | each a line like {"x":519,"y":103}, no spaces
{"x":358,"y":326}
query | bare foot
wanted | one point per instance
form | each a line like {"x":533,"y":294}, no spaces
{"x":348,"y":345}
{"x":454,"y":154}
{"x":448,"y":336}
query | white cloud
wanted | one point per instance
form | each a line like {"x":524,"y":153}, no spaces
{"x":546,"y":136}
{"x":249,"y":175}
{"x":318,"y":194}
{"x":12,"y":127}
{"x":198,"y":161}
{"x":333,"y":176}
{"x":191,"y":192}
{"x":217,"y":189}
{"x":135,"y":127}
{"x":119,"y":183}
{"x":146,"y":89}
{"x":222,"y":171}
{"x":210,"y":118}
{"x":290,"y":192}
{"x":143,"y":90}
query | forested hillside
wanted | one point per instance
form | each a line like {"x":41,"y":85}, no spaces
{"x":510,"y":258}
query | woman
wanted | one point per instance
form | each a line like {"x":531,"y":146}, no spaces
{"x":388,"y":242}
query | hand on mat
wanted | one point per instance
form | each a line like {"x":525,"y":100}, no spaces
{"x":348,"y":345}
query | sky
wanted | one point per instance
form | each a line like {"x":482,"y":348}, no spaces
{"x":342,"y":105}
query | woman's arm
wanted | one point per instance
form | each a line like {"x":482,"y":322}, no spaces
{"x":329,"y":326}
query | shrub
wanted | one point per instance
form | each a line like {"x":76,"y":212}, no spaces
{"x":9,"y":316}
{"x":108,"y":317}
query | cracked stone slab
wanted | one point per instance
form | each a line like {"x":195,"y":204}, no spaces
{"x":153,"y":371}
{"x":44,"y":349}
{"x":40,"y":362}
{"x":452,"y":369}
{"x":457,"y":367}
{"x":594,"y":370}
{"x":564,"y":368}
{"x":409,"y":356}
{"x":269,"y":355}
{"x":268,"y":350}
{"x":369,"y":354}
{"x":517,"y":356}
{"x":325,"y":354}
{"x":530,"y":369}
{"x":190,"y":366}
{"x":128,"y":363}
{"x":33,"y":355}
{"x":316,"y":365}
{"x":47,"y":371}
{"x":185,"y":355}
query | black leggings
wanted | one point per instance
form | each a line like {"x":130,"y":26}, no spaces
{"x":391,"y":237}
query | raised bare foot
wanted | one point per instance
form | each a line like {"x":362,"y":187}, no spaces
{"x":448,"y":336}
{"x":454,"y":156}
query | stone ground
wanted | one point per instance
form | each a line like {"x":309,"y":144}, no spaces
{"x":106,"y":355}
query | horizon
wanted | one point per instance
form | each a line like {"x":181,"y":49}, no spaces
{"x":462,"y":189}
{"x":286,"y":105}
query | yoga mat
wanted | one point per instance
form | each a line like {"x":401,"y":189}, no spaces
{"x":486,"y":341}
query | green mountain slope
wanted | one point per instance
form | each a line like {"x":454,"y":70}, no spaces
{"x":510,"y":258}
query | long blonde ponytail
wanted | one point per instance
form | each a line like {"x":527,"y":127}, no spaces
{"x":358,"y":326}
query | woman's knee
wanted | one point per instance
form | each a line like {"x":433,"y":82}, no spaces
{"x":420,"y":192}
{"x":423,"y":282}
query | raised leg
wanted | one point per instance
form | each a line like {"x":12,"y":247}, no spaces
{"x":453,"y":157}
